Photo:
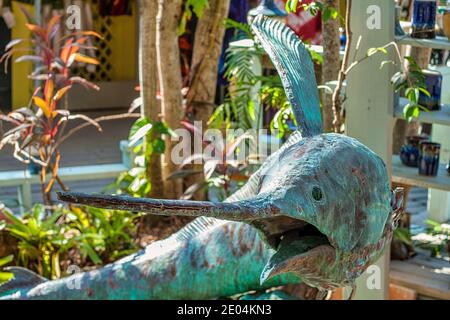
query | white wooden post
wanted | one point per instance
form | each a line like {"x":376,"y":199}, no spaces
{"x":25,"y":195}
{"x":369,"y":106}
{"x":257,"y":70}
{"x":439,"y":201}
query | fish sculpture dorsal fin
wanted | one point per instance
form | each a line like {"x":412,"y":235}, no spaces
{"x":194,"y":228}
{"x":296,"y":69}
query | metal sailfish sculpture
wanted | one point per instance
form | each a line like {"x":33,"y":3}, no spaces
{"x":318,"y":211}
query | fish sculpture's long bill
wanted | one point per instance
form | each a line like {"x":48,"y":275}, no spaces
{"x":245,"y":211}
{"x":294,"y":251}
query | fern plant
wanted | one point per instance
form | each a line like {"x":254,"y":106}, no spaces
{"x":239,"y":108}
{"x":240,"y":72}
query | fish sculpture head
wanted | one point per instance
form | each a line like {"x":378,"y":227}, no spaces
{"x":331,"y":210}
{"x":322,"y":202}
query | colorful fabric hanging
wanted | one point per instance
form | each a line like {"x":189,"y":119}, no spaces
{"x":305,"y":25}
{"x":238,"y":12}
{"x":115,"y":7}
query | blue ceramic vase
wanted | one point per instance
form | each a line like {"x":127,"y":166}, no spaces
{"x":409,"y":153}
{"x":34,"y":168}
{"x":429,"y":158}
{"x":433,"y":82}
{"x":424,"y":19}
{"x":398,"y":27}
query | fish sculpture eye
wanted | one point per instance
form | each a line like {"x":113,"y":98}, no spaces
{"x":317,"y":194}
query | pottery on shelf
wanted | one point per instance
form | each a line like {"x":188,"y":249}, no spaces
{"x":429,"y":158}
{"x":409,"y":153}
{"x":433,"y":82}
{"x":424,"y":19}
{"x":446,"y":23}
{"x":34,"y":168}
{"x":398,"y":28}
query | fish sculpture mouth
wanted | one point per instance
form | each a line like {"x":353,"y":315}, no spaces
{"x":277,"y":229}
{"x":300,"y":247}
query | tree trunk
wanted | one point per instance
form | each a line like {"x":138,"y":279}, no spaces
{"x":204,"y":70}
{"x":332,"y":63}
{"x":205,"y":61}
{"x":169,"y":71}
{"x":337,"y":101}
{"x":8,"y":244}
{"x":148,"y":79}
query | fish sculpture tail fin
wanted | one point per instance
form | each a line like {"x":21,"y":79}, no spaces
{"x":23,"y":278}
{"x":293,"y":62}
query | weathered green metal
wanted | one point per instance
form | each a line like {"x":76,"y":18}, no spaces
{"x":318,"y":211}
{"x":296,"y":69}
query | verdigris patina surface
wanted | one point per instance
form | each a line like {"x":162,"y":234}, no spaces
{"x":318,"y":211}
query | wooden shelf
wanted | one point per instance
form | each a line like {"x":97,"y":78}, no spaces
{"x":101,"y":171}
{"x":410,"y":176}
{"x":319,"y":50}
{"x":248,"y":43}
{"x":434,"y":117}
{"x":438,"y":43}
{"x":429,"y":277}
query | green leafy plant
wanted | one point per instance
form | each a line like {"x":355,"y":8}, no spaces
{"x":403,"y":235}
{"x":105,"y":235}
{"x":5,"y":276}
{"x":79,"y":235}
{"x":41,"y":240}
{"x":436,"y":240}
{"x":412,"y":83}
{"x":239,"y":28}
{"x":191,"y":7}
{"x":239,"y":104}
{"x":328,"y":12}
{"x":273,"y":97}
{"x":238,"y":109}
{"x":135,"y":181}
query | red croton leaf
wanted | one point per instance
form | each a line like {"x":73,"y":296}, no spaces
{"x":61,"y":92}
{"x":42,"y":105}
{"x":48,"y":91}
{"x":85,"y":83}
{"x":52,"y":23}
{"x":37,"y":30}
{"x":84,"y":33}
{"x":82,"y":58}
{"x":65,"y":52}
{"x":13,"y":43}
